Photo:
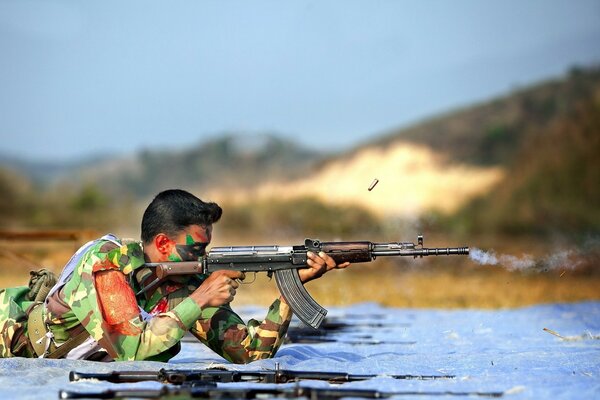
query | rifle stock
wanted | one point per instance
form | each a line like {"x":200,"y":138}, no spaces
{"x":284,"y":262}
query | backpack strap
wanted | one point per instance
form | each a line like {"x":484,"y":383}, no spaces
{"x":40,"y":337}
{"x":72,"y":263}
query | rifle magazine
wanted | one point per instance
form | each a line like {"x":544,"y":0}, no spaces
{"x":295,"y":294}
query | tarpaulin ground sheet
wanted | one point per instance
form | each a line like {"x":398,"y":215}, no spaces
{"x":485,"y":351}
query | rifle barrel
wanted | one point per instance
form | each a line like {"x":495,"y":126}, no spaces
{"x":401,"y":249}
{"x":116,"y":376}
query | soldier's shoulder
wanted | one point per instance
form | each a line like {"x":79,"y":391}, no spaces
{"x":105,"y":245}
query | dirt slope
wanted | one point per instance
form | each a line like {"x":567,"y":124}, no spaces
{"x":412,"y":180}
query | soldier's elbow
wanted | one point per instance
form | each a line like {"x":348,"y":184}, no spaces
{"x":249,"y":356}
{"x":243,"y":358}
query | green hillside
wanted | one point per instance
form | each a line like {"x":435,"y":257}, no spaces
{"x":553,"y":185}
{"x":494,"y":132}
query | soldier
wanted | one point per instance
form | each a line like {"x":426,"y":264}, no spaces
{"x":93,"y":313}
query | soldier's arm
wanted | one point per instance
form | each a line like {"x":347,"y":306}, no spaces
{"x":219,"y":327}
{"x":130,"y":337}
{"x":223,"y":331}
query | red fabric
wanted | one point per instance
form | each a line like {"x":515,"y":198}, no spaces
{"x":161,"y":307}
{"x":104,"y":265}
{"x":163,"y":304}
{"x":117,"y":301}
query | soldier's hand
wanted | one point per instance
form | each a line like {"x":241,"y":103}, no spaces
{"x":318,"y":264}
{"x":218,"y":289}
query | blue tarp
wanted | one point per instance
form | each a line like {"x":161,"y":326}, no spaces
{"x":487,"y":351}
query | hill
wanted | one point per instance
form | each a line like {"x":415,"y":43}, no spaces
{"x":230,"y":161}
{"x":412,"y":180}
{"x":552,"y":184}
{"x":492,"y":133}
{"x":524,"y":162}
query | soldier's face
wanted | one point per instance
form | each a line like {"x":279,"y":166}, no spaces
{"x":191,"y":244}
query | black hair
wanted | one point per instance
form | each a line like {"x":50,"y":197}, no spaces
{"x":173,"y":210}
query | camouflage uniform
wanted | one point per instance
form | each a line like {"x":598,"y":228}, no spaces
{"x":164,"y":318}
{"x":13,"y":322}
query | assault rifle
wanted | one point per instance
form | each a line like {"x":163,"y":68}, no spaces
{"x":212,"y":391}
{"x":182,"y":376}
{"x":284,"y":262}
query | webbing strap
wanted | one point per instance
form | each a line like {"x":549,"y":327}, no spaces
{"x":69,"y":345}
{"x":36,"y":329}
{"x":70,"y":266}
{"x":42,"y":342}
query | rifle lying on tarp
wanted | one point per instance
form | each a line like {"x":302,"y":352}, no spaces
{"x":212,"y":391}
{"x":284,"y":262}
{"x":181,"y":376}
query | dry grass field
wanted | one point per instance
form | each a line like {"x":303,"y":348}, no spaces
{"x":454,"y":287}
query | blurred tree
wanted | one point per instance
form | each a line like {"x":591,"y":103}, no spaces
{"x":16,"y":196}
{"x":89,"y":200}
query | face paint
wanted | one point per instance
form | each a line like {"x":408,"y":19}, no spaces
{"x":192,"y":250}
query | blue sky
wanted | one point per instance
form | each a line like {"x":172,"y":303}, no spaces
{"x":78,"y":77}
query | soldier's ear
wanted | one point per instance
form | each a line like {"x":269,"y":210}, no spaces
{"x":163,"y":244}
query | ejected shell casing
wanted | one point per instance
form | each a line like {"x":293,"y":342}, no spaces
{"x":375,"y":181}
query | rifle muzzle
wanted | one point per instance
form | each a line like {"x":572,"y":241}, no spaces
{"x":443,"y":251}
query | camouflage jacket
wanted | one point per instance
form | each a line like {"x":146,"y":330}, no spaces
{"x":75,"y":307}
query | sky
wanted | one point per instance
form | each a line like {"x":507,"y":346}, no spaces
{"x":85,"y":77}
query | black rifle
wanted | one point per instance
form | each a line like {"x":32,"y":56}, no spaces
{"x":284,"y":262}
{"x":178,"y":377}
{"x":212,"y":391}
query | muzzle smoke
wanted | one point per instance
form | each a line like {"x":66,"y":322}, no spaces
{"x":511,"y":263}
{"x":564,"y":259}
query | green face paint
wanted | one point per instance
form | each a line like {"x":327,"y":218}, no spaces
{"x":174,"y":257}
{"x":192,"y":250}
